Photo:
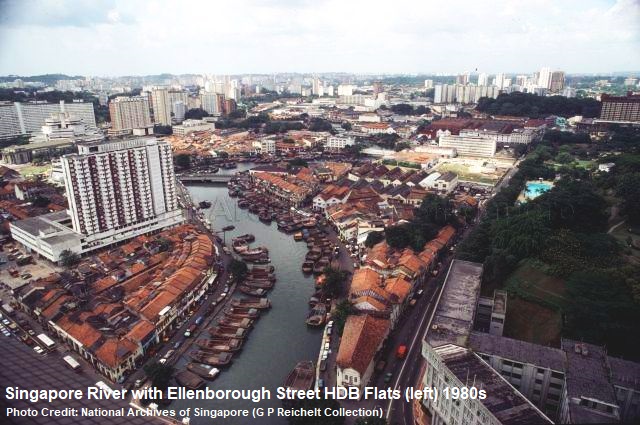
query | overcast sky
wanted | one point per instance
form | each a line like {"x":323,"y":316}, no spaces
{"x":129,"y":37}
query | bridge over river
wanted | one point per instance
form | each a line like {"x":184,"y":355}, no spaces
{"x":205,"y":178}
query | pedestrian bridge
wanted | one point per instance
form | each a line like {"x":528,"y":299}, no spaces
{"x":205,"y":178}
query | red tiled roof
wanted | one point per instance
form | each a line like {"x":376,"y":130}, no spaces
{"x":361,"y":338}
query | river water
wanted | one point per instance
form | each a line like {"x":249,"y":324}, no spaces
{"x":280,"y":338}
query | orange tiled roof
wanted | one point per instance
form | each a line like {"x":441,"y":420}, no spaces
{"x":399,"y":287}
{"x":361,"y":338}
{"x":364,"y":279}
{"x":113,"y":351}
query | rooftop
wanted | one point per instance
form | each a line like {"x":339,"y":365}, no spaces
{"x":503,"y":401}
{"x":453,"y":319}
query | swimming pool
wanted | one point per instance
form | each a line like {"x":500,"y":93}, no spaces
{"x":533,"y":189}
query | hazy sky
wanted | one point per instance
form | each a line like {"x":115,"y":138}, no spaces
{"x":126,"y":37}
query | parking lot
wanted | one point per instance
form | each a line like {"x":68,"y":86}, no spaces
{"x":21,"y":275}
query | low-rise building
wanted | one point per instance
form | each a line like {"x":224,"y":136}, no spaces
{"x":190,"y":126}
{"x":362,"y":337}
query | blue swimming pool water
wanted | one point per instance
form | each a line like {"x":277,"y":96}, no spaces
{"x":534,"y":189}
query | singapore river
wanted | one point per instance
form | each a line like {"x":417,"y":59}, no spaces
{"x":280,"y":338}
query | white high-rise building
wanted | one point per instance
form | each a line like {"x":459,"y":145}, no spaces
{"x":345,"y":90}
{"x":500,"y":81}
{"x":116,"y":191}
{"x":129,"y":113}
{"x":161,"y":106}
{"x":25,"y":118}
{"x":428,"y":84}
{"x":209,"y":103}
{"x":483,"y":79}
{"x":544,"y":78}
{"x":121,"y":189}
{"x":179,"y":110}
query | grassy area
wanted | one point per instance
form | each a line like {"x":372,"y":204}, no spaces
{"x":464,"y":173}
{"x":531,"y":282}
{"x":622,"y":234}
{"x":532,"y":322}
{"x":579,"y":163}
{"x":35,"y":170}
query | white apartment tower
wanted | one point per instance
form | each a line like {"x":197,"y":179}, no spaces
{"x":544,"y":78}
{"x":161,"y":106}
{"x":121,"y":189}
{"x":483,"y":79}
{"x":128,"y":113}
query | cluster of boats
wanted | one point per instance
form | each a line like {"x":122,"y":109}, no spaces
{"x":240,"y":245}
{"x":225,"y":337}
{"x":258,"y":282}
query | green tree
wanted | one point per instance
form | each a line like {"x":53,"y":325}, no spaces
{"x":196,"y":114}
{"x":373,"y":238}
{"x":160,"y":374}
{"x":69,"y":258}
{"x":339,"y":316}
{"x":41,"y":201}
{"x":238,"y":270}
{"x":628,"y":190}
{"x":346,"y":125}
{"x":334,"y":283}
{"x":183,"y":160}
{"x":297,"y":162}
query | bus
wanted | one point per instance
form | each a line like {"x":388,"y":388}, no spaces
{"x":48,"y":342}
{"x":71,"y":362}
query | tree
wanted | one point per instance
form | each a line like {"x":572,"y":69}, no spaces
{"x":69,"y":258}
{"x":373,"y":238}
{"x":183,"y":160}
{"x":346,"y":125}
{"x":196,"y":114}
{"x":564,"y":158}
{"x":40,"y":201}
{"x":238,"y":113}
{"x":319,"y":124}
{"x":339,"y":316}
{"x":401,"y":146}
{"x":160,"y":374}
{"x":162,"y":129}
{"x":238,"y":270}
{"x":297,"y":162}
{"x":599,"y":309}
{"x":628,"y":189}
{"x":334,"y":282}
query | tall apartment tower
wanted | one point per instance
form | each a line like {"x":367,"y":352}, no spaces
{"x":544,"y":78}
{"x":121,"y":189}
{"x":483,"y":79}
{"x":556,"y":84}
{"x":161,"y":106}
{"x":129,"y":113}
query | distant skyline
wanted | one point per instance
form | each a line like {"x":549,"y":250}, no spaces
{"x":129,"y":37}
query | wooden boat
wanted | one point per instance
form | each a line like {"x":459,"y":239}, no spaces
{"x":240,"y":323}
{"x":189,"y":380}
{"x":253,"y":292}
{"x":313,"y":255}
{"x":265,"y":217}
{"x":204,"y":204}
{"x":320,"y":265}
{"x":307,"y":267}
{"x":260,"y":260}
{"x":222,"y":331}
{"x":203,"y":370}
{"x":260,"y":304}
{"x":246,"y":238}
{"x":215,"y":359}
{"x":267,"y":269}
{"x":242,"y":313}
{"x":301,"y":377}
{"x":243,"y":204}
{"x":259,"y":284}
{"x":317,"y":315}
{"x":262,"y":276}
{"x":297,"y":236}
{"x":220,"y":344}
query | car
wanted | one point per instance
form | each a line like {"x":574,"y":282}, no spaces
{"x":169,"y":354}
{"x":138,"y":383}
{"x":162,"y":361}
{"x":330,"y":323}
{"x":6,"y":322}
{"x":320,"y":383}
{"x":26,"y":276}
{"x":329,"y":331}
{"x":31,"y":332}
{"x":327,"y":345}
{"x":387,"y":377}
{"x":38,"y":349}
{"x":177,"y":345}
